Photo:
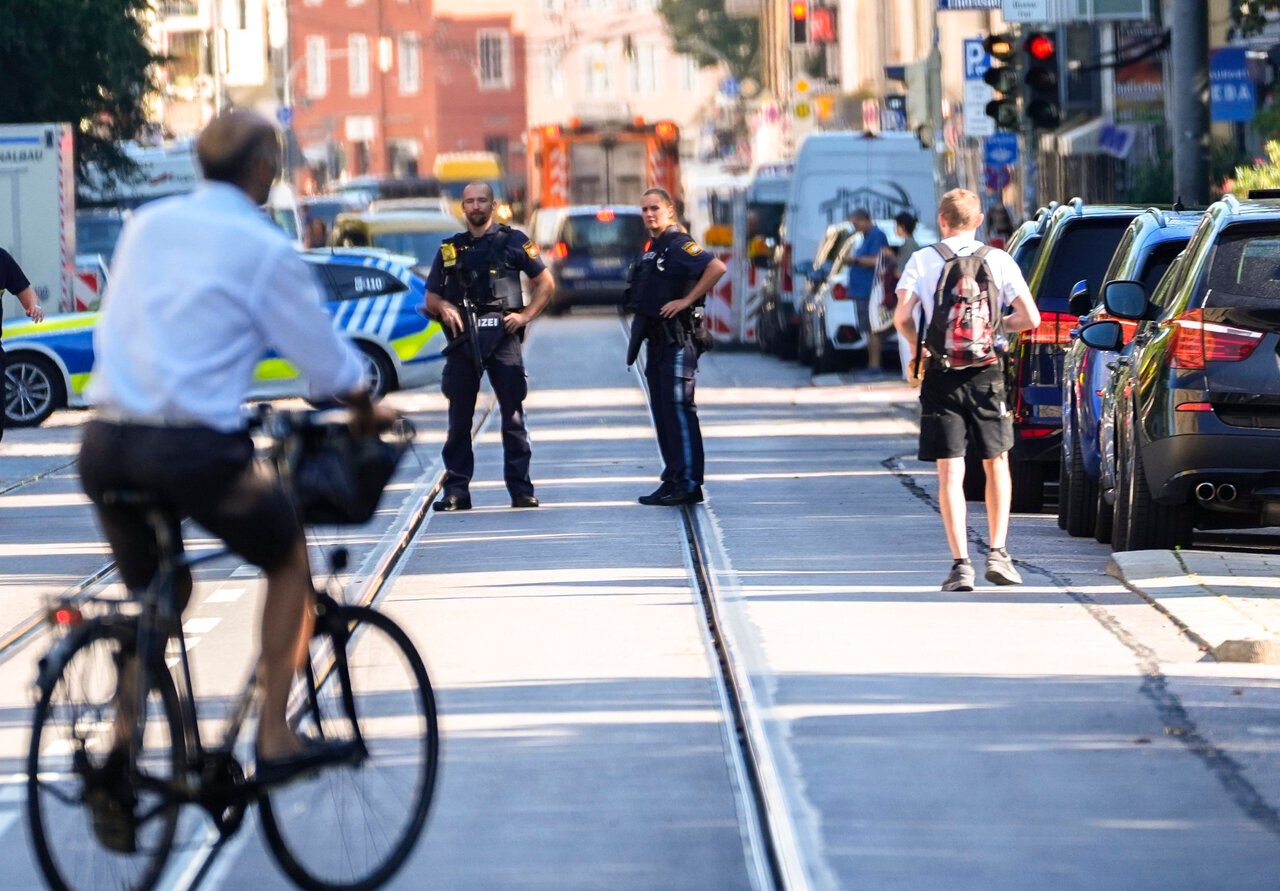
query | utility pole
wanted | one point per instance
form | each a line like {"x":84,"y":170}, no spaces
{"x":1189,"y":99}
{"x":933,"y":79}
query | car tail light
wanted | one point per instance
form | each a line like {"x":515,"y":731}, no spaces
{"x":560,"y":251}
{"x":1194,"y":406}
{"x":839,"y":292}
{"x":1196,"y":341}
{"x":606,"y":215}
{"x":787,"y":281}
{"x":1054,"y":328}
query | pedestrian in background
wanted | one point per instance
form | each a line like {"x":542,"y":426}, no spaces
{"x":965,"y":290}
{"x":862,"y":276}
{"x":669,"y":283}
{"x":15,"y":282}
{"x":905,"y":224}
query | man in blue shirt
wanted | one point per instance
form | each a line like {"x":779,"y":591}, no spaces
{"x":862,"y":275}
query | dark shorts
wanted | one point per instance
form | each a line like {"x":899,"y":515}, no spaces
{"x":195,"y":472}
{"x":959,"y":408}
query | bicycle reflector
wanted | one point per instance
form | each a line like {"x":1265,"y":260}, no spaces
{"x":65,"y":616}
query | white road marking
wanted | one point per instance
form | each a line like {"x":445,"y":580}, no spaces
{"x":248,"y":570}
{"x":200,"y":626}
{"x":225,"y":595}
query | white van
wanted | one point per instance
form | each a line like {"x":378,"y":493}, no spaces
{"x":837,"y":172}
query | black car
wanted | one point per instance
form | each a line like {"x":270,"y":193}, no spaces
{"x":1076,"y":245}
{"x":1197,"y":410}
{"x":1154,"y":239}
{"x":591,"y":252}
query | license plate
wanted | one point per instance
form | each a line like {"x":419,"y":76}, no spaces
{"x":607,"y":263}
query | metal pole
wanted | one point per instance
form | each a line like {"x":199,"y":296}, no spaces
{"x":1189,"y":99}
{"x":933,"y":77}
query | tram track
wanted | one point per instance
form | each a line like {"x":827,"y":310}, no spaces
{"x":768,"y":824}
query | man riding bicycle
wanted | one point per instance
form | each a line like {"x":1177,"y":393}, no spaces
{"x":202,"y":287}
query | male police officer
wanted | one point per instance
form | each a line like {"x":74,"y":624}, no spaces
{"x":474,"y":289}
{"x":669,"y":283}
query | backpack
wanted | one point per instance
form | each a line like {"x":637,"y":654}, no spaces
{"x":967,"y":326}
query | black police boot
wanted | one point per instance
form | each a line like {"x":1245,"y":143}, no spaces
{"x":529,"y":500}
{"x":453,"y":502}
{"x":676,"y":497}
{"x":656,"y":496}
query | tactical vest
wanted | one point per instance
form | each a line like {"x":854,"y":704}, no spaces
{"x":484,"y":276}
{"x":651,"y":287}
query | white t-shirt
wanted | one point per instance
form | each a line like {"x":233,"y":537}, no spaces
{"x":925,"y":266}
{"x":202,"y":286}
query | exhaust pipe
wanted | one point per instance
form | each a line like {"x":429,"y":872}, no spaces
{"x":1226,"y":493}
{"x":1206,"y":492}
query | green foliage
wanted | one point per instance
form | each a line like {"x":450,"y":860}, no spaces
{"x":702,"y":29}
{"x":1152,"y":182}
{"x":1261,"y":175}
{"x":81,"y":61}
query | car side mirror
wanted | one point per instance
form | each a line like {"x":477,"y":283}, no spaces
{"x":1081,"y":302}
{"x":1106,"y":335}
{"x":1125,"y":299}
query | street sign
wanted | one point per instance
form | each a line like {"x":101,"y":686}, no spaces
{"x":1036,"y":11}
{"x":976,"y":92}
{"x":946,"y":5}
{"x":996,"y":177}
{"x":1001,"y":150}
{"x":284,"y":114}
{"x":1233,"y":96}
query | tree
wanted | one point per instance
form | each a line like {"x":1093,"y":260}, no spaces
{"x":702,"y":29}
{"x":82,"y":61}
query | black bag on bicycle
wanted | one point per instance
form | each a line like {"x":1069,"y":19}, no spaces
{"x":339,"y":478}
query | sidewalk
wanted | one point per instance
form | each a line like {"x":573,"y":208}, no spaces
{"x":1229,"y":602}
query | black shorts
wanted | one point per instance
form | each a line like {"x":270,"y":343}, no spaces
{"x":963,"y":407}
{"x":195,"y":472}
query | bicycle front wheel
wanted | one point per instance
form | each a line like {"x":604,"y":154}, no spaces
{"x":96,"y":824}
{"x":352,"y":826}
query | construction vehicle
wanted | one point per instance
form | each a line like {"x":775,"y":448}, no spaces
{"x":605,"y":163}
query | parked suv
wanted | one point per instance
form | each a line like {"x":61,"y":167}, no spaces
{"x":1076,"y":245}
{"x":1145,"y":253}
{"x":1198,"y":408}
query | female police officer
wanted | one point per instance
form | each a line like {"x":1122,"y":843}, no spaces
{"x":670,"y":282}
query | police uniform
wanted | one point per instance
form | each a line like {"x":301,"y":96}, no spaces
{"x":487,"y":269}
{"x":667,"y":270}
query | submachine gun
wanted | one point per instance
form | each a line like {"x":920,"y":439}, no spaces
{"x":502,"y":292}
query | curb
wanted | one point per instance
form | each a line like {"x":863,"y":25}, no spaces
{"x":1228,"y":603}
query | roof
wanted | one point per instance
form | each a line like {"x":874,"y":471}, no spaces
{"x":400,"y":221}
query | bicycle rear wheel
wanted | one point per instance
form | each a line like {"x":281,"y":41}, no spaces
{"x":71,"y":737}
{"x":352,"y":826}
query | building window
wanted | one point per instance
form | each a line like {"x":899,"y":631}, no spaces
{"x":552,"y":7}
{"x":312,"y":2}
{"x":553,"y":71}
{"x":596,"y":4}
{"x":410,"y":64}
{"x":688,"y":72}
{"x":645,"y":70}
{"x":597,"y":77}
{"x":500,"y":146}
{"x":317,"y":67}
{"x":358,"y":64}
{"x":493,"y":50}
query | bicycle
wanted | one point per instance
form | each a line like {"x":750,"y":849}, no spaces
{"x":376,"y":696}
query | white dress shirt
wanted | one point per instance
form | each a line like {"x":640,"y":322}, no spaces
{"x":925,"y":266}
{"x":202,"y":286}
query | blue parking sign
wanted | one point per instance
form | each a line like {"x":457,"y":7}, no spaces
{"x":1232,"y":94}
{"x":1001,"y":150}
{"x":284,"y":114}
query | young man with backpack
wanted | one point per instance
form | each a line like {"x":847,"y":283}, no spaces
{"x":972,"y":298}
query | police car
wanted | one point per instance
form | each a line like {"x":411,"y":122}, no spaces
{"x":373,"y":297}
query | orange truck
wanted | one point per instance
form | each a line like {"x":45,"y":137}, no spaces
{"x":607,"y":163}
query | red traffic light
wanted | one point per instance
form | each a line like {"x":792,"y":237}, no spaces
{"x":799,"y":10}
{"x":1039,"y":47}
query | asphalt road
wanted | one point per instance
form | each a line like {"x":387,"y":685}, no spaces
{"x":1062,"y":734}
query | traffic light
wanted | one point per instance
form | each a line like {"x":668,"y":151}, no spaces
{"x":1041,"y":80}
{"x":800,"y":21}
{"x":1003,"y":78}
